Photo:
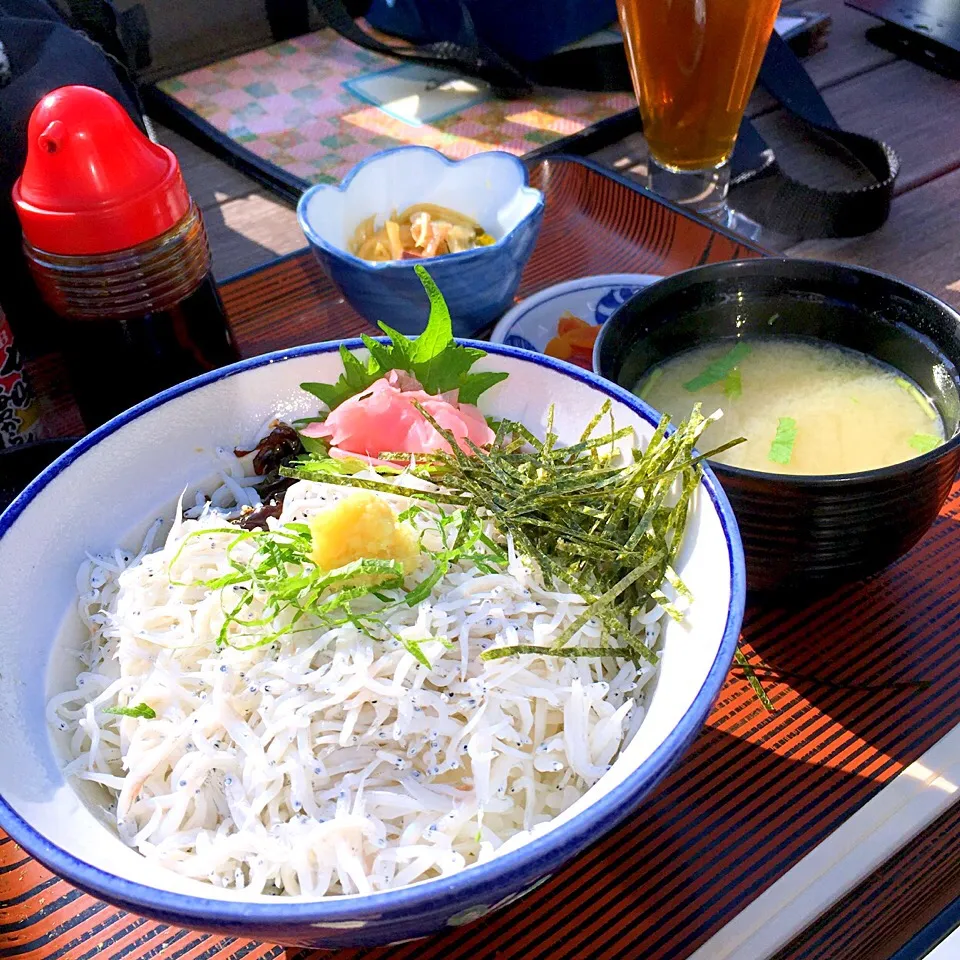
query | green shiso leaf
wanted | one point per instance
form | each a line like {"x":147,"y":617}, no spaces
{"x":924,"y":442}
{"x":439,"y":332}
{"x":141,"y":710}
{"x":781,"y":450}
{"x":434,"y":358}
{"x":719,"y":369}
{"x":476,"y":383}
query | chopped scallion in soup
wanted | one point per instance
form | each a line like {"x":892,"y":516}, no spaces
{"x":804,"y":407}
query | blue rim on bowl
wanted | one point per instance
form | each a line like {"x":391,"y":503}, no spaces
{"x":462,"y":256}
{"x":535,"y":859}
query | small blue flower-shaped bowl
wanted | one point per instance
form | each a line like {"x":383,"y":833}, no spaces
{"x":478,"y":285}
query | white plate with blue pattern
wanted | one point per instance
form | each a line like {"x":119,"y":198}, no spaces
{"x":532,"y":324}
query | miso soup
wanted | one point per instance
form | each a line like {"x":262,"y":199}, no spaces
{"x":804,"y":407}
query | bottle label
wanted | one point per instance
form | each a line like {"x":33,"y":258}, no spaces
{"x":19,"y":413}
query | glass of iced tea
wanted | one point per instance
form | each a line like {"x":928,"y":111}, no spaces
{"x":694,"y":64}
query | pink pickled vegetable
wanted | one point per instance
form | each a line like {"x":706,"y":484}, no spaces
{"x":383,"y":419}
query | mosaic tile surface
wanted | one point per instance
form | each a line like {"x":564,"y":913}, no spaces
{"x":288,"y":105}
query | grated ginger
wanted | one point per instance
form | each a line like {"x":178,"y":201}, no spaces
{"x":362,"y":526}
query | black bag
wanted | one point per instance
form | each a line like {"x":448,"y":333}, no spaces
{"x":40,"y":52}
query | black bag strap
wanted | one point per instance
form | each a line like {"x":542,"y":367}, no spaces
{"x":125,"y":37}
{"x":764,"y":191}
{"x":781,"y":203}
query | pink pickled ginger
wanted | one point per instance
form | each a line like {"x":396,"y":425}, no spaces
{"x":383,"y":419}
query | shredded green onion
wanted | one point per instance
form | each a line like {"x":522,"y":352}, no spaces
{"x":719,"y":369}
{"x":781,"y":450}
{"x":924,"y":442}
{"x":917,"y":395}
{"x":733,"y":385}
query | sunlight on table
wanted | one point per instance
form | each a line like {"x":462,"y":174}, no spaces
{"x":917,"y":771}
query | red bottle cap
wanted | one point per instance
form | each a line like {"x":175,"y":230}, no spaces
{"x":93,"y":183}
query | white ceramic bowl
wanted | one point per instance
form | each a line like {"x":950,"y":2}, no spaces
{"x":478,"y":285}
{"x":106,"y":490}
{"x":532,"y":323}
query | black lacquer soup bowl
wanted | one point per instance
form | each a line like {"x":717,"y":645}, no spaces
{"x":809,"y":533}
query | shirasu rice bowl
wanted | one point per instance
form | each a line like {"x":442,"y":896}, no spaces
{"x":329,"y":761}
{"x":104,"y":496}
{"x":430,"y":641}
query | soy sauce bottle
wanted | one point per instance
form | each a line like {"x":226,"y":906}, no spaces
{"x":118,"y":249}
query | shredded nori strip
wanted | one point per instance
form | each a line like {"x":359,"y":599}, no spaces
{"x":608,"y":529}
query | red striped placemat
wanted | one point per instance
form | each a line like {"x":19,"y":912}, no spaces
{"x":868,"y":683}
